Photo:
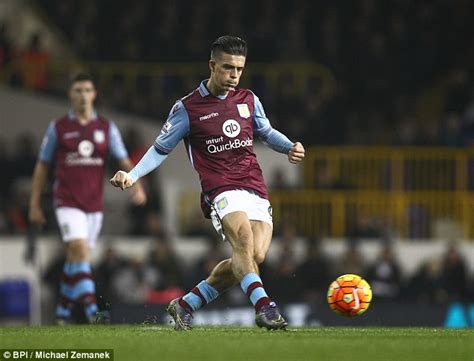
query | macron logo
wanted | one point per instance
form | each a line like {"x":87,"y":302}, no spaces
{"x":212,"y":115}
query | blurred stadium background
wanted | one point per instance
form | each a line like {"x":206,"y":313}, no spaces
{"x":380,"y":93}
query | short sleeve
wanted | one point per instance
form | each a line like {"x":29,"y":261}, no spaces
{"x":261,"y":124}
{"x":49,"y":144}
{"x":116,"y":145}
{"x":175,"y":128}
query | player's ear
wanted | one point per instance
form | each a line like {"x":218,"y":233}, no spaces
{"x":212,"y":65}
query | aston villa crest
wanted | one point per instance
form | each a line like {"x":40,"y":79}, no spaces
{"x":99,"y":136}
{"x":244,"y":111}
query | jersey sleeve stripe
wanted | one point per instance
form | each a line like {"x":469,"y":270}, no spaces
{"x":161,"y":149}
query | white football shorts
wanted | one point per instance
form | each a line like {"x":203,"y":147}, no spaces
{"x":77,"y":224}
{"x":256,"y":207}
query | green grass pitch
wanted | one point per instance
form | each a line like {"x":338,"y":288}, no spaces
{"x":149,"y":342}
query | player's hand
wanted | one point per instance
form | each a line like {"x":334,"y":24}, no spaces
{"x":138,"y":197}
{"x":296,"y":153}
{"x":121,"y":180}
{"x":36,"y":216}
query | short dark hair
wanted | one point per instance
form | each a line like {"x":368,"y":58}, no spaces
{"x":230,"y":45}
{"x":82,"y":77}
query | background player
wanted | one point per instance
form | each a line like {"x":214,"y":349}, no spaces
{"x":78,"y":144}
{"x":217,"y":122}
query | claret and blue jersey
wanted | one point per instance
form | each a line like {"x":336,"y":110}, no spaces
{"x":218,"y":133}
{"x":79,"y":153}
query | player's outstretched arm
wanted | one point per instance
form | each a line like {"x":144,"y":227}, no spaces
{"x":138,"y":196}
{"x":296,"y":153}
{"x":149,"y":162}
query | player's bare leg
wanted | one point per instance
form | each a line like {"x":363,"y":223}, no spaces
{"x":262,"y":234}
{"x":223,"y":278}
{"x":238,"y":230}
{"x":269,"y":315}
{"x":250,"y":242}
{"x":77,"y":251}
{"x":225,"y":275}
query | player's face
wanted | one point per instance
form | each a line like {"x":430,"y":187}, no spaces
{"x":226,"y":70}
{"x":82,"y":94}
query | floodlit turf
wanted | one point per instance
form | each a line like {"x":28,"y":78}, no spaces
{"x":148,"y":342}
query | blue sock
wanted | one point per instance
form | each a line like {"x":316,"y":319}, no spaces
{"x":199,"y":296}
{"x":84,"y":287}
{"x":66,"y":294}
{"x":252,"y":286}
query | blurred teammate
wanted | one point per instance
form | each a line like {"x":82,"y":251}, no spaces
{"x":78,"y":145}
{"x":217,"y":122}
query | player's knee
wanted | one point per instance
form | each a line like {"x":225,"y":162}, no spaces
{"x":77,"y":250}
{"x":259,"y":257}
{"x":243,"y":251}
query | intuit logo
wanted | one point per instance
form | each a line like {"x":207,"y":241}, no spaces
{"x":208,"y":116}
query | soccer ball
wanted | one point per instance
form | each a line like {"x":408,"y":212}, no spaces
{"x":349,"y":295}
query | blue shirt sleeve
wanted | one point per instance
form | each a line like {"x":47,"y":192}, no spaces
{"x":175,"y":128}
{"x":270,"y":137}
{"x":261,"y":124}
{"x":116,"y":146}
{"x":149,"y":162}
{"x":49,"y":144}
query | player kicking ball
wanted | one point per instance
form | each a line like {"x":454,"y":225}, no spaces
{"x":217,"y":122}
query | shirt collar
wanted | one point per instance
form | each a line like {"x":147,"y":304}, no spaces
{"x":204,"y":91}
{"x":203,"y":88}
{"x":72,"y":116}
